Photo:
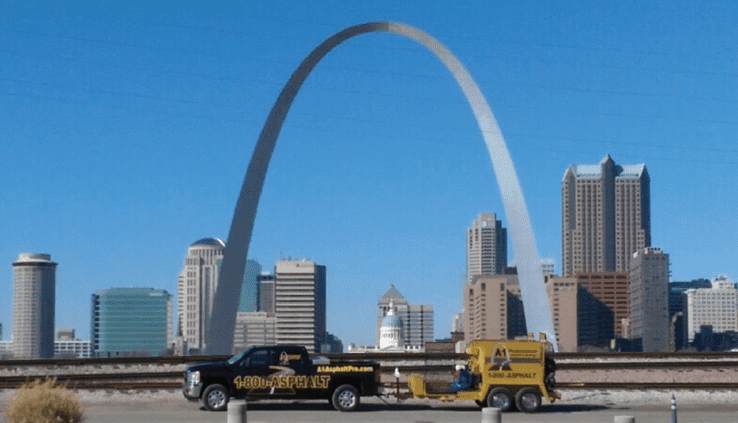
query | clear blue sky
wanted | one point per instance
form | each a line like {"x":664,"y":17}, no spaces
{"x":126,"y":127}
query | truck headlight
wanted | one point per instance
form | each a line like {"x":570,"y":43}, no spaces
{"x":193,"y":377}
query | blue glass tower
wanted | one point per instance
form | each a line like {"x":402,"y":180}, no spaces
{"x":130,"y":322}
{"x":250,"y":287}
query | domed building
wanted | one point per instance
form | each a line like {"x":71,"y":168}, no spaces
{"x":390,"y":332}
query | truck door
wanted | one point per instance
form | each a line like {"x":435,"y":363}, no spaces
{"x":296,"y":374}
{"x":252,"y":373}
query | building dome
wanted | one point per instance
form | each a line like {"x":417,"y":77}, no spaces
{"x":390,"y":332}
{"x":208,"y":242}
{"x":391,"y":322}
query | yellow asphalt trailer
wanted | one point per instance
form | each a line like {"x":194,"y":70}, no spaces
{"x":507,"y":374}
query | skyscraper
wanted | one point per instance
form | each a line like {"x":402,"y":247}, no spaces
{"x":250,"y":288}
{"x":34,"y":295}
{"x":606,"y":216}
{"x":300,"y":306}
{"x":486,"y":247}
{"x":649,"y":299}
{"x":196,"y":286}
{"x":130,"y":321}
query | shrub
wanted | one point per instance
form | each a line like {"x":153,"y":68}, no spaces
{"x":44,"y":402}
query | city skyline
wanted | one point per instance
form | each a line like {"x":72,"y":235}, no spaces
{"x":95,"y":183}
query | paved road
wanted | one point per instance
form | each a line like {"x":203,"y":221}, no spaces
{"x":413,"y":412}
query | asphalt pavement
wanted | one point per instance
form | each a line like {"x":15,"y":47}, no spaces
{"x":373,"y":410}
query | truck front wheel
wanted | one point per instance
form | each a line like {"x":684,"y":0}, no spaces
{"x":345,"y":398}
{"x":215,"y":397}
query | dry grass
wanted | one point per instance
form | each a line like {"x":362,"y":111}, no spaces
{"x":44,"y":402}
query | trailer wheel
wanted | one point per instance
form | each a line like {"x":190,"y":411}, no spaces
{"x":345,"y":398}
{"x":528,"y":400}
{"x":500,"y":398}
{"x":215,"y":397}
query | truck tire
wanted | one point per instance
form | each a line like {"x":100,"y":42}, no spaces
{"x":528,"y":400}
{"x":215,"y":397}
{"x":345,"y":398}
{"x":500,"y":398}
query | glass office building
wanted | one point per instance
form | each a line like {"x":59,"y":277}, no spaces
{"x":250,"y":288}
{"x":131,"y":322}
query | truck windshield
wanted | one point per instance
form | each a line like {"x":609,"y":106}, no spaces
{"x":236,"y":358}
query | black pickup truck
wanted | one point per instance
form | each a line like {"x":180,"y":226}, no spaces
{"x":280,"y":372}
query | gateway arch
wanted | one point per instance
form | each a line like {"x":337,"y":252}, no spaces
{"x":537,"y":310}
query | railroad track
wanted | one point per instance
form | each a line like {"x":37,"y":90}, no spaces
{"x":428,"y":356}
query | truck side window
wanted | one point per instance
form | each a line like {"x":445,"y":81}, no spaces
{"x":259,"y":358}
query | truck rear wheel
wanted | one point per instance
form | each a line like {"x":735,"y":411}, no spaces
{"x":500,"y":398}
{"x":215,"y":397}
{"x":528,"y":400}
{"x":345,"y":398}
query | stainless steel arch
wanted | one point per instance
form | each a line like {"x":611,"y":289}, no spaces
{"x":538,"y":317}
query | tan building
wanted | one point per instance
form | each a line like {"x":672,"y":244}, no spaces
{"x":588,"y":309}
{"x":254,"y":328}
{"x":486,"y":247}
{"x":562,"y":293}
{"x":299,"y":303}
{"x":493,"y":308}
{"x":611,"y":289}
{"x":649,"y":299}
{"x":605,"y":216}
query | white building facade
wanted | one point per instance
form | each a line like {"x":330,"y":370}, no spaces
{"x":716,"y":307}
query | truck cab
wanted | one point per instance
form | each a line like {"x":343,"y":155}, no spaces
{"x":280,"y":372}
{"x":505,"y":374}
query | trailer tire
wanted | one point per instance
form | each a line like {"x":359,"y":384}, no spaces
{"x":528,"y":400}
{"x":215,"y":397}
{"x":500,"y":398}
{"x":345,"y":398}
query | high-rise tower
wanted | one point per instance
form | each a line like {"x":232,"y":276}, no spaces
{"x":196,"y":287}
{"x":299,"y":303}
{"x":605,"y":216}
{"x":486,"y":247}
{"x":34,"y":294}
{"x":649,"y":299}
